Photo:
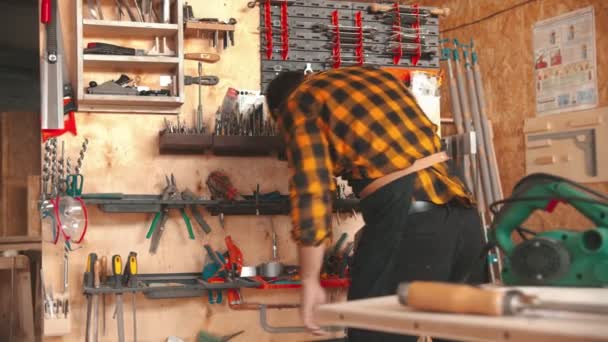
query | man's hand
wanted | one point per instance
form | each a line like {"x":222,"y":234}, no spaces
{"x":312,"y":295}
{"x":311,"y":259}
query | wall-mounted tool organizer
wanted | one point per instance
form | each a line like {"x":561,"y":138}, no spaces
{"x":130,"y":59}
{"x":125,"y":203}
{"x":571,"y":145}
{"x":320,"y":35}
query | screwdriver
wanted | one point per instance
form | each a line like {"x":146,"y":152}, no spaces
{"x":117,"y":272}
{"x":89,"y":282}
{"x":130,"y":271}
{"x":103,"y":275}
{"x":467,"y":299}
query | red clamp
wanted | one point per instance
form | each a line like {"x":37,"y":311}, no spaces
{"x":397,"y":32}
{"x":416,"y":26}
{"x":45,"y":11}
{"x":284,"y":31}
{"x":336,"y":49}
{"x":359,"y":49}
{"x":268,"y":24}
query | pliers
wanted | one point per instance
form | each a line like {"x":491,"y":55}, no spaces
{"x":158,"y":223}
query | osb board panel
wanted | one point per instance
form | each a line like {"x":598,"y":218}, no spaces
{"x":123,"y":157}
{"x":504,"y":46}
{"x":20,"y":159}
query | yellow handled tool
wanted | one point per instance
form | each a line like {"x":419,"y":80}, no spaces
{"x":117,"y":272}
{"x":131,"y":270}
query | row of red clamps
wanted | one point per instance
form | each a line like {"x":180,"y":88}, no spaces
{"x":337,"y":48}
{"x":398,"y":51}
{"x":270,"y":30}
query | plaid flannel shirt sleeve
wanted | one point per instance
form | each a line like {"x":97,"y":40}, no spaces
{"x":310,"y":182}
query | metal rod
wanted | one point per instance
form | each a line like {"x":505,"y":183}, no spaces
{"x":454,"y":99}
{"x":495,"y":173}
{"x":465,"y":114}
{"x":482,"y":154}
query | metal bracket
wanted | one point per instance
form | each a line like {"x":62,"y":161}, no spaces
{"x":288,"y":330}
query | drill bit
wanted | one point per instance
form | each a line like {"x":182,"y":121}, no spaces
{"x":61,"y":167}
{"x":68,"y":166}
{"x":83,"y":150}
{"x":54,"y":167}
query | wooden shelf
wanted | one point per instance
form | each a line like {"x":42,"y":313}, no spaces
{"x":220,"y":145}
{"x":184,"y":143}
{"x":193,"y":28}
{"x":155,"y":62}
{"x":92,"y":27}
{"x":130,"y":104}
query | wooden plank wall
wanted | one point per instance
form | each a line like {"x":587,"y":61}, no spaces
{"x":504,"y":46}
{"x":123,"y":157}
{"x":20,"y":158}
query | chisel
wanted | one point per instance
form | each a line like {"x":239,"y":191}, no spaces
{"x":467,"y":299}
{"x":117,"y":273}
{"x":89,"y":281}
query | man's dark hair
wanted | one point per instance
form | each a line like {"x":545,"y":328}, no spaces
{"x":281,"y":87}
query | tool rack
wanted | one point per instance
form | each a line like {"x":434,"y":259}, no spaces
{"x":290,"y":38}
{"x":221,"y":145}
{"x":111,"y":66}
{"x":122,"y":203}
{"x":189,"y":285}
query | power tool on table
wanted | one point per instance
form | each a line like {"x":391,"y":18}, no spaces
{"x":559,"y":257}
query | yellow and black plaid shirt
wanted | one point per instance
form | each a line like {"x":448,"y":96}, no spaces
{"x":360,"y":121}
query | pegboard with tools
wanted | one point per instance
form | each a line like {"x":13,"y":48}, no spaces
{"x":319,"y":35}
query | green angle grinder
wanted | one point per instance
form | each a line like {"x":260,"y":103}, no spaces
{"x":559,"y":257}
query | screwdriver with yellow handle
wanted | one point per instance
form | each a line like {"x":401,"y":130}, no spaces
{"x":103,"y":276}
{"x":117,"y":273}
{"x":131,"y":281}
{"x":468,"y":299}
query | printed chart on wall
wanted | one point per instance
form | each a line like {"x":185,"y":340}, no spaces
{"x":565,"y":63}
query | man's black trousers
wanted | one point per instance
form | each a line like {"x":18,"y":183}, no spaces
{"x":441,"y":244}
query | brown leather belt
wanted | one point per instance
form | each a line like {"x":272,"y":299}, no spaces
{"x":418,"y":165}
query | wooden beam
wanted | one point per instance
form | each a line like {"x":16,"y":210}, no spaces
{"x":20,"y":243}
{"x":18,"y":262}
{"x":34,"y":223}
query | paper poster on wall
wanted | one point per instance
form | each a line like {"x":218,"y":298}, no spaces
{"x":565,"y":63}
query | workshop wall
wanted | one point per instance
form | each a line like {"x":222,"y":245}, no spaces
{"x":504,"y":46}
{"x":19,"y":155}
{"x":123,"y":157}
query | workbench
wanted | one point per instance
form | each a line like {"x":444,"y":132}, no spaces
{"x":388,"y":315}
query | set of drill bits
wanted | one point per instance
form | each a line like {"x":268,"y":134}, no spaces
{"x":250,"y":123}
{"x":57,"y":168}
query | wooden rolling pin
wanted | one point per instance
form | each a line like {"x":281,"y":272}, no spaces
{"x":380,"y":8}
{"x":467,"y":299}
{"x":203,"y":57}
{"x":454,"y":298}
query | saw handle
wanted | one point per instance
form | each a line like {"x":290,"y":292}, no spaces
{"x":381,"y":8}
{"x":451,"y":298}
